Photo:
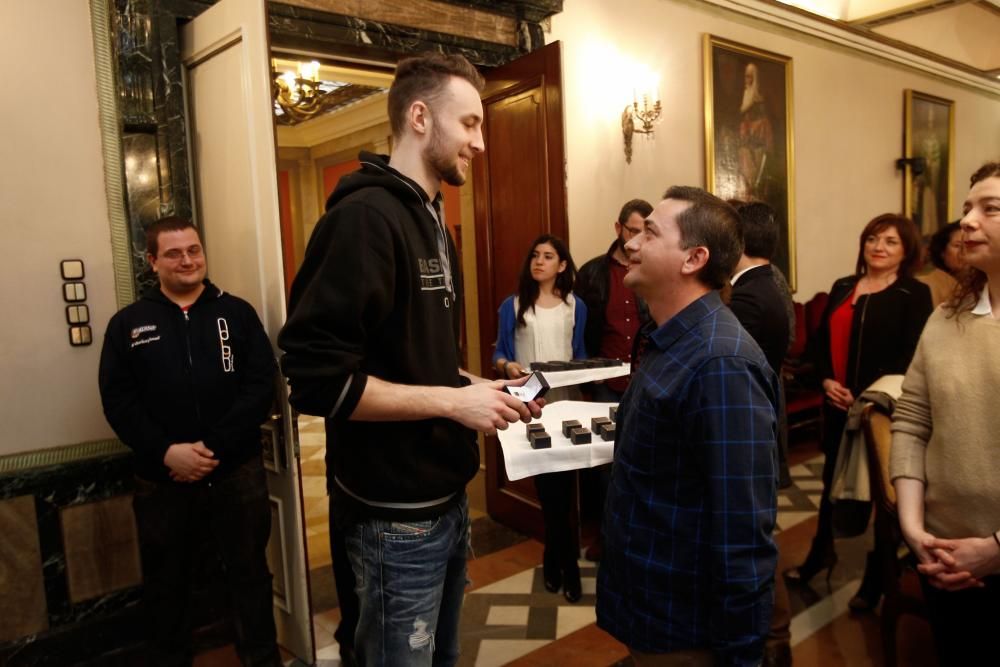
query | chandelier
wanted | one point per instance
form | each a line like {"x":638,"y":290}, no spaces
{"x":302,"y":95}
{"x":299,"y":95}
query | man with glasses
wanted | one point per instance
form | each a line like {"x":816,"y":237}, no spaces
{"x":614,"y":315}
{"x":186,"y":379}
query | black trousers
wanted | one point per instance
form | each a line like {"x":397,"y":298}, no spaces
{"x":964,"y":623}
{"x":555,"y":493}
{"x":834,"y":421}
{"x":234,"y":514}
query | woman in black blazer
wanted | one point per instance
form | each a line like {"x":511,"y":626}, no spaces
{"x":870,"y":328}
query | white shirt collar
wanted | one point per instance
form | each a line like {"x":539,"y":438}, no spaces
{"x":983,"y":306}
{"x":732,"y":281}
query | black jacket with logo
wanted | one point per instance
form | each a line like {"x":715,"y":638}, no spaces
{"x":372,"y":299}
{"x":168,"y":376}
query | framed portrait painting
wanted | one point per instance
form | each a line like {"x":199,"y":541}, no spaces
{"x":748,"y":134}
{"x":929,"y":124}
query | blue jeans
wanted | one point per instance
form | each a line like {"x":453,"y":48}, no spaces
{"x":410,"y":579}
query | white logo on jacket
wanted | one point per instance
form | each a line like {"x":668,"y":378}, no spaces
{"x":431,"y":275}
{"x":138,"y":331}
{"x":227,"y":352}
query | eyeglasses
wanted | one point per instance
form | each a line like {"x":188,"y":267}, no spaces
{"x":174,"y":254}
{"x":629,"y":232}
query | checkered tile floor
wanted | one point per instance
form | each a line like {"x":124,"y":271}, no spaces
{"x":514,"y":616}
{"x":801,"y":500}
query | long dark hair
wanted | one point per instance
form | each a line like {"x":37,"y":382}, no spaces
{"x":971,"y":280}
{"x":908,"y":234}
{"x":527,"y":287}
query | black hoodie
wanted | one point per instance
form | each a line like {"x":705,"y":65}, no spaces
{"x":372,"y":299}
{"x":168,"y":376}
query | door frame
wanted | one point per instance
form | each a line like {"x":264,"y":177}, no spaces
{"x":225,"y":64}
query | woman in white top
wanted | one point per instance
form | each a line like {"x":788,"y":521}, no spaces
{"x":544,"y":322}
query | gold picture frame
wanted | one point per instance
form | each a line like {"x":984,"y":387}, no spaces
{"x":927,"y":188}
{"x":749,"y":150}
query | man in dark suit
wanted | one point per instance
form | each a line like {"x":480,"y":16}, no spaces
{"x":756,"y":300}
{"x":761,"y":305}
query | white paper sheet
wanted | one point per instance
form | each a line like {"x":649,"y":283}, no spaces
{"x":523,"y":461}
{"x":569,"y":378}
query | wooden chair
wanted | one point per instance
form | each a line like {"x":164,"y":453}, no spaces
{"x":899,"y":577}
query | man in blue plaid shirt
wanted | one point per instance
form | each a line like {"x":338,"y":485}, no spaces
{"x":688,"y":570}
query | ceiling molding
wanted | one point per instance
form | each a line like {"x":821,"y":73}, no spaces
{"x":906,"y":12}
{"x":990,"y":6}
{"x":863,"y":41}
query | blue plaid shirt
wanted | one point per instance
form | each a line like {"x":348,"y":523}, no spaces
{"x":688,"y":556}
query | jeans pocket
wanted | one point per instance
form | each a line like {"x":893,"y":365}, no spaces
{"x":404,"y":530}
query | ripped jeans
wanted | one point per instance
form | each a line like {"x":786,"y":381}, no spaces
{"x":411,"y":579}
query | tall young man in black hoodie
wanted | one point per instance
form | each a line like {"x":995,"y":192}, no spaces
{"x":371,"y":344}
{"x":186,"y":379}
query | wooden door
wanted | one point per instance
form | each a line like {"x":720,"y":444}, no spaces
{"x":224,"y":53}
{"x":520,"y":193}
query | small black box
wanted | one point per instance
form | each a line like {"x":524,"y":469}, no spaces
{"x":569,"y":425}
{"x":534,"y":387}
{"x":613,"y":413}
{"x":608,"y":433}
{"x":540,"y":440}
{"x":533,"y":426}
{"x":576,"y":365}
{"x":558,"y":366}
{"x":579,"y":436}
{"x":597,"y":424}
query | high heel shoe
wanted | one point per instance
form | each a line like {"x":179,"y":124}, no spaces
{"x":863,"y":602}
{"x":802,"y":574}
{"x":572,"y":589}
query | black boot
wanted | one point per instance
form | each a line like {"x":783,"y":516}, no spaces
{"x":572,"y":590}
{"x":868,"y":596}
{"x":551,"y":573}
{"x":777,"y":655}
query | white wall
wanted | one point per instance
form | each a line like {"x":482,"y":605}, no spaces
{"x":52,"y":207}
{"x":848,"y":123}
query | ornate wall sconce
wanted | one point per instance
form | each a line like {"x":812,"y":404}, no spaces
{"x":646,"y":116}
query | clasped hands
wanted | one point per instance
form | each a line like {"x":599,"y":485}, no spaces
{"x":955,"y":564}
{"x":838,"y":394}
{"x":189,"y":461}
